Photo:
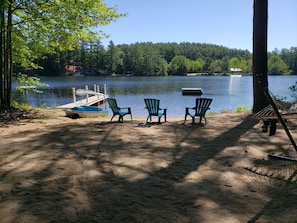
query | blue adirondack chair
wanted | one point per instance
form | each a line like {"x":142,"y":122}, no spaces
{"x":121,"y":112}
{"x":200,"y":109}
{"x":153,"y":108}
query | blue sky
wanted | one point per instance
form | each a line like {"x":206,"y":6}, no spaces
{"x":222,"y":22}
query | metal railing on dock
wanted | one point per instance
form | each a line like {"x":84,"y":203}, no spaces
{"x":92,"y":97}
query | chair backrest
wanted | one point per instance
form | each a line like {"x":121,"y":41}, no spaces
{"x":113,"y":105}
{"x":202,"y":105}
{"x":152,"y":105}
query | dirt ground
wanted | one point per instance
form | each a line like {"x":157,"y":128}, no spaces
{"x":57,"y":169}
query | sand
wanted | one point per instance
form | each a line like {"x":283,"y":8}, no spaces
{"x":57,"y":169}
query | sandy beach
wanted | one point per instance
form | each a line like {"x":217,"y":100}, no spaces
{"x":57,"y":169}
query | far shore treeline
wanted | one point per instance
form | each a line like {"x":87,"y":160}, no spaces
{"x":161,"y":59}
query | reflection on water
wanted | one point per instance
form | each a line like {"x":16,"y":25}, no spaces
{"x":234,"y":85}
{"x":226,"y":92}
{"x":234,"y":88}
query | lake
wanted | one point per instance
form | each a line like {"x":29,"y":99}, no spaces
{"x":227,"y":92}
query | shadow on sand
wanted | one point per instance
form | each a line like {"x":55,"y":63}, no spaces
{"x":122,"y":172}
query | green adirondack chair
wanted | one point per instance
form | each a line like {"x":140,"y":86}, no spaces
{"x":121,"y":112}
{"x":202,"y":105}
{"x":153,"y":108}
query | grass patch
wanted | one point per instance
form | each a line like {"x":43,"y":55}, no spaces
{"x":242,"y":108}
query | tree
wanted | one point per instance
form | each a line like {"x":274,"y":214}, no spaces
{"x":260,"y":79}
{"x":137,"y":59}
{"x":116,"y":58}
{"x":31,"y":28}
{"x":234,"y":63}
{"x":238,"y":63}
{"x":196,"y":65}
{"x":290,"y":58}
{"x":6,"y":51}
{"x":215,"y":66}
{"x":162,"y":69}
{"x":249,"y":66}
{"x":277,"y":66}
{"x":179,"y":65}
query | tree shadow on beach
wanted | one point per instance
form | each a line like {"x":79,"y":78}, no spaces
{"x":121,"y":172}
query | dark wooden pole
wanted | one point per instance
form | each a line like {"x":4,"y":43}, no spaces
{"x":260,"y":79}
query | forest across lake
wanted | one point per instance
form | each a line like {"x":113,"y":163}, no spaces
{"x":161,"y":59}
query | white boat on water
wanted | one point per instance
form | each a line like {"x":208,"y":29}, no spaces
{"x":236,"y":75}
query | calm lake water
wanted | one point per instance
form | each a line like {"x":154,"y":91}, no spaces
{"x":226,"y":92}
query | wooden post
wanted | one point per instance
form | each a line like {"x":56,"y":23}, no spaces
{"x":73,"y":95}
{"x":104,"y":95}
{"x":87,"y":95}
{"x":98,"y":91}
{"x":260,"y":77}
{"x":98,"y":95}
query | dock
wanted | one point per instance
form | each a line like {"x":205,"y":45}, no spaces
{"x":91,"y":97}
{"x":192,"y":91}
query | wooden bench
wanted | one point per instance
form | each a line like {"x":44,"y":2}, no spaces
{"x":269,"y":116}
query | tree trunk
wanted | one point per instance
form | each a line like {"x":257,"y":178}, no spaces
{"x":2,"y":30}
{"x":260,"y":79}
{"x":9,"y":50}
{"x":6,"y":53}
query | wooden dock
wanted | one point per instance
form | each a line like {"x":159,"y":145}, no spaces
{"x":91,"y":97}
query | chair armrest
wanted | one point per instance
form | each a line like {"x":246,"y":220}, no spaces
{"x":187,"y":108}
{"x":128,"y":108}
